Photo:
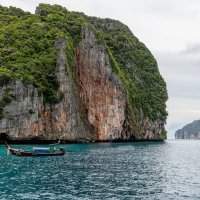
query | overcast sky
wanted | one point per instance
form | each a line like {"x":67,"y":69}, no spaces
{"x":170,"y":29}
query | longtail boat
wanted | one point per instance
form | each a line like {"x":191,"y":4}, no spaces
{"x":36,"y":151}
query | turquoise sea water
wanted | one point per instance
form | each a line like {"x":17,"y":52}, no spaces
{"x":160,"y":170}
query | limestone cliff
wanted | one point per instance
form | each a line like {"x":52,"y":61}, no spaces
{"x":189,"y":131}
{"x":70,"y":81}
{"x":26,"y":117}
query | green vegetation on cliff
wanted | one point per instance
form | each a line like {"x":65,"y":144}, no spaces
{"x":27,"y":49}
{"x":137,"y":68}
{"x":28,"y":53}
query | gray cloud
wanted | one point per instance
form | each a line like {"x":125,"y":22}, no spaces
{"x":192,"y":49}
{"x":181,"y":71}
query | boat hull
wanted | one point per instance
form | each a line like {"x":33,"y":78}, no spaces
{"x":17,"y":152}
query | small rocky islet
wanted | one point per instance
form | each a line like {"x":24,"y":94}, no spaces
{"x":68,"y":76}
{"x":189,"y":131}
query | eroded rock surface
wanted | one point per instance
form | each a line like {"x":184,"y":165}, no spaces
{"x":92,"y":106}
{"x":101,"y":91}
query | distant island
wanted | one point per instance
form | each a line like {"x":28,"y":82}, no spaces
{"x":68,"y":76}
{"x":189,"y":131}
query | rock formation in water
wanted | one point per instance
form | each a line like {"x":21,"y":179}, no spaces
{"x":64,"y":75}
{"x":189,"y":131}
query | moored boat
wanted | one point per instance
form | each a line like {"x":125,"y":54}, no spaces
{"x":36,"y":151}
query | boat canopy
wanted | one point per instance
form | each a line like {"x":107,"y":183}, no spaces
{"x":41,"y":150}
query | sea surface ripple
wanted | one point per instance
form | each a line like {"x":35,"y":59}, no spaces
{"x":139,"y":171}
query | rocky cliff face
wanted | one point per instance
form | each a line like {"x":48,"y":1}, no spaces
{"x":91,"y":101}
{"x":101,"y":91}
{"x":26,"y":117}
{"x":190,"y":131}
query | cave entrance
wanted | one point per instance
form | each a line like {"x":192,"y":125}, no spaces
{"x":3,"y":137}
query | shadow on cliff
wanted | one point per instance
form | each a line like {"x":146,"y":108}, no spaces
{"x":4,"y":137}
